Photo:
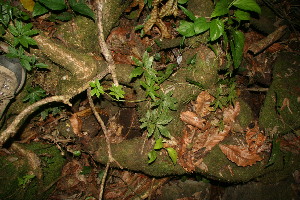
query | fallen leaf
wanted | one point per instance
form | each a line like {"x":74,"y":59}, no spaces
{"x":231,"y":113}
{"x":76,"y":124}
{"x":28,"y":4}
{"x":192,"y":119}
{"x":216,"y":138}
{"x":202,"y":105}
{"x":240,"y":155}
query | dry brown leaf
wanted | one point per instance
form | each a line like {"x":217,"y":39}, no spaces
{"x":152,"y":20}
{"x":170,"y":8}
{"x":216,"y":138}
{"x":231,"y":113}
{"x":140,"y":3}
{"x":76,"y":124}
{"x":240,"y":155}
{"x":255,"y":139}
{"x":202,"y":105}
{"x":192,"y":119}
{"x":184,"y":156}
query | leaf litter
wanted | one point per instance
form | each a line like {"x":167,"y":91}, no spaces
{"x":206,"y":128}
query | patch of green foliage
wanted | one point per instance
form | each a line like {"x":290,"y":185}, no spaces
{"x":161,"y":103}
{"x":61,"y":7}
{"x":25,"y":180}
{"x":226,"y":19}
{"x":116,"y":92}
{"x":15,"y":22}
{"x":35,"y":94}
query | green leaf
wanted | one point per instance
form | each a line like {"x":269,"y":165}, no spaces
{"x":13,"y":30}
{"x":77,"y":153}
{"x":138,"y":71}
{"x":221,"y":8}
{"x":238,"y":48}
{"x":117,"y":91}
{"x":81,"y":8}
{"x":158,"y":144}
{"x":216,"y":29}
{"x":65,"y":16}
{"x":186,"y":29}
{"x":86,"y":170}
{"x":41,"y":65}
{"x":25,"y":41}
{"x":164,"y":119}
{"x":25,"y":63}
{"x":137,"y":62}
{"x":188,"y":13}
{"x":249,"y":5}
{"x":241,"y":15}
{"x":97,"y":88}
{"x":182,"y":1}
{"x":164,"y":131}
{"x":138,"y":27}
{"x":152,"y":156}
{"x":173,"y":154}
{"x":39,"y":9}
{"x":34,"y":94}
{"x":150,"y":128}
{"x":201,"y":25}
{"x":54,"y":4}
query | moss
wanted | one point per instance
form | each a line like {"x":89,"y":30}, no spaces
{"x":285,"y":87}
{"x":246,"y":116}
{"x":17,"y":167}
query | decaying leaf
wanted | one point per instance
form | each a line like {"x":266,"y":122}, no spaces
{"x":255,"y":139}
{"x":248,"y":154}
{"x":240,"y":155}
{"x":157,"y":14}
{"x":202,"y":104}
{"x":76,"y":124}
{"x":216,"y":138}
{"x":203,"y":131}
{"x":231,"y":113}
{"x":192,"y":119}
{"x":128,"y":185}
{"x":139,"y":3}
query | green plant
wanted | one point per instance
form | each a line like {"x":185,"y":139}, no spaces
{"x":226,"y":94}
{"x":161,"y":103}
{"x":34,"y":94}
{"x":11,"y":21}
{"x":225,"y":21}
{"x":115,"y":91}
{"x":25,"y":180}
{"x":44,"y":6}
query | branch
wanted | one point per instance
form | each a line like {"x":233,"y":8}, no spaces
{"x":13,"y":127}
{"x":110,"y":157}
{"x":102,"y":43}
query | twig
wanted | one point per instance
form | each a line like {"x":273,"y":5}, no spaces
{"x":103,"y":45}
{"x":11,"y":130}
{"x":103,"y":181}
{"x":110,"y":157}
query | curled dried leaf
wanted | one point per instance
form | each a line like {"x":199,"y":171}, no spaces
{"x":216,"y":138}
{"x":170,"y":8}
{"x":192,"y":119}
{"x":240,"y":155}
{"x":76,"y":124}
{"x":231,"y":113}
{"x":202,"y":104}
